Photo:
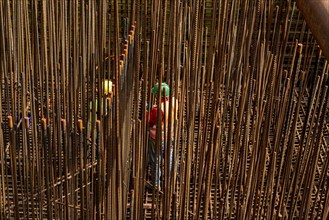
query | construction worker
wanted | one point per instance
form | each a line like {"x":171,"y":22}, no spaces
{"x":107,"y":90}
{"x":154,"y":161}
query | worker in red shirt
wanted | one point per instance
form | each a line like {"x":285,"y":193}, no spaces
{"x":155,"y":161}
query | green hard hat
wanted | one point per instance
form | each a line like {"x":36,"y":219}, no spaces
{"x":164,"y":87}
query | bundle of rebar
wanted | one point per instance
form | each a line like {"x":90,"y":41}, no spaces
{"x":250,"y":86}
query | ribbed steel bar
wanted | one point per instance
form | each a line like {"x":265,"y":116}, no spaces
{"x":248,"y":85}
{"x":316,"y":13}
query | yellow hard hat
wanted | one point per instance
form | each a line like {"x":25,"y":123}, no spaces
{"x":107,"y":87}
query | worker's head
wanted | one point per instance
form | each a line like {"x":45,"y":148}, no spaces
{"x":107,"y":87}
{"x":164,"y":89}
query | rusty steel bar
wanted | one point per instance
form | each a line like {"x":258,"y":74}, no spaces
{"x":316,"y":14}
{"x":250,"y":124}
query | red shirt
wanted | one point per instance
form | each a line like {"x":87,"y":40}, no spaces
{"x":154,"y":113}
